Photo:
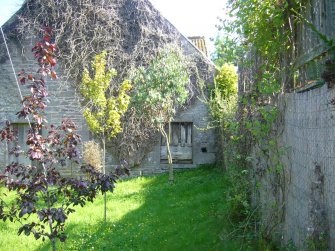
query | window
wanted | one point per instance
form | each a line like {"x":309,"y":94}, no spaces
{"x":180,"y":143}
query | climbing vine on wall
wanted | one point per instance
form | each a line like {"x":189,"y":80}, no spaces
{"x":263,"y":49}
{"x":276,"y":45}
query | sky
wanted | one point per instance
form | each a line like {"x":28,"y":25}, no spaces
{"x":8,"y":8}
{"x":193,"y":17}
{"x":190,"y":17}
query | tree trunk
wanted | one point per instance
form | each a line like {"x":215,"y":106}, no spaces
{"x":104,"y":172}
{"x":171,"y":177}
{"x":53,"y":243}
{"x":169,"y":155}
{"x":52,"y":239}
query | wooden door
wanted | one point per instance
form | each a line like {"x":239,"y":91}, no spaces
{"x":180,"y":143}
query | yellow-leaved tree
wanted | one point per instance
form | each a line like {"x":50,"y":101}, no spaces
{"x":105,"y":105}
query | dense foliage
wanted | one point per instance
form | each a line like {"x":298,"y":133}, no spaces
{"x":44,"y":198}
{"x":226,"y":81}
{"x":227,"y":50}
{"x":223,"y":98}
{"x":272,"y":62}
{"x":258,"y":36}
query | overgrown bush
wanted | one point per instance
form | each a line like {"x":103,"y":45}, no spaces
{"x":223,"y":109}
{"x":258,"y":36}
{"x":223,"y":98}
{"x":92,"y":155}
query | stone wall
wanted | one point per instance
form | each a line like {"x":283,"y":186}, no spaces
{"x":302,"y":204}
{"x":63,"y":100}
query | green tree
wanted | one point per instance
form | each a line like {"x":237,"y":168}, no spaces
{"x":226,"y":81}
{"x":160,"y":89}
{"x":227,"y":49}
{"x":105,"y":105}
{"x":223,"y":98}
{"x":223,"y":105}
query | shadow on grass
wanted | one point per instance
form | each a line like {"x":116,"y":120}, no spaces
{"x":187,"y":215}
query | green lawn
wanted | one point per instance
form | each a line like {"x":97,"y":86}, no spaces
{"x":146,"y":213}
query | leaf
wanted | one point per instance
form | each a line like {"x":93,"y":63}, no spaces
{"x":47,"y":38}
{"x":62,"y":237}
{"x":27,"y":231}
{"x":53,"y":74}
{"x":37,"y":236}
{"x":20,"y":230}
{"x":23,"y":80}
{"x":23,"y":212}
{"x":52,"y":61}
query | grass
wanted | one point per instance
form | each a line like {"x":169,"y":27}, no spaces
{"x":146,"y":213}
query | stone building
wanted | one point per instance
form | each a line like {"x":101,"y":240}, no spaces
{"x":191,"y":144}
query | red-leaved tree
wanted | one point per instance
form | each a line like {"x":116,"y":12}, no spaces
{"x":40,"y":188}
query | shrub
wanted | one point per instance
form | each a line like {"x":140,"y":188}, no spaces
{"x":92,"y":155}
